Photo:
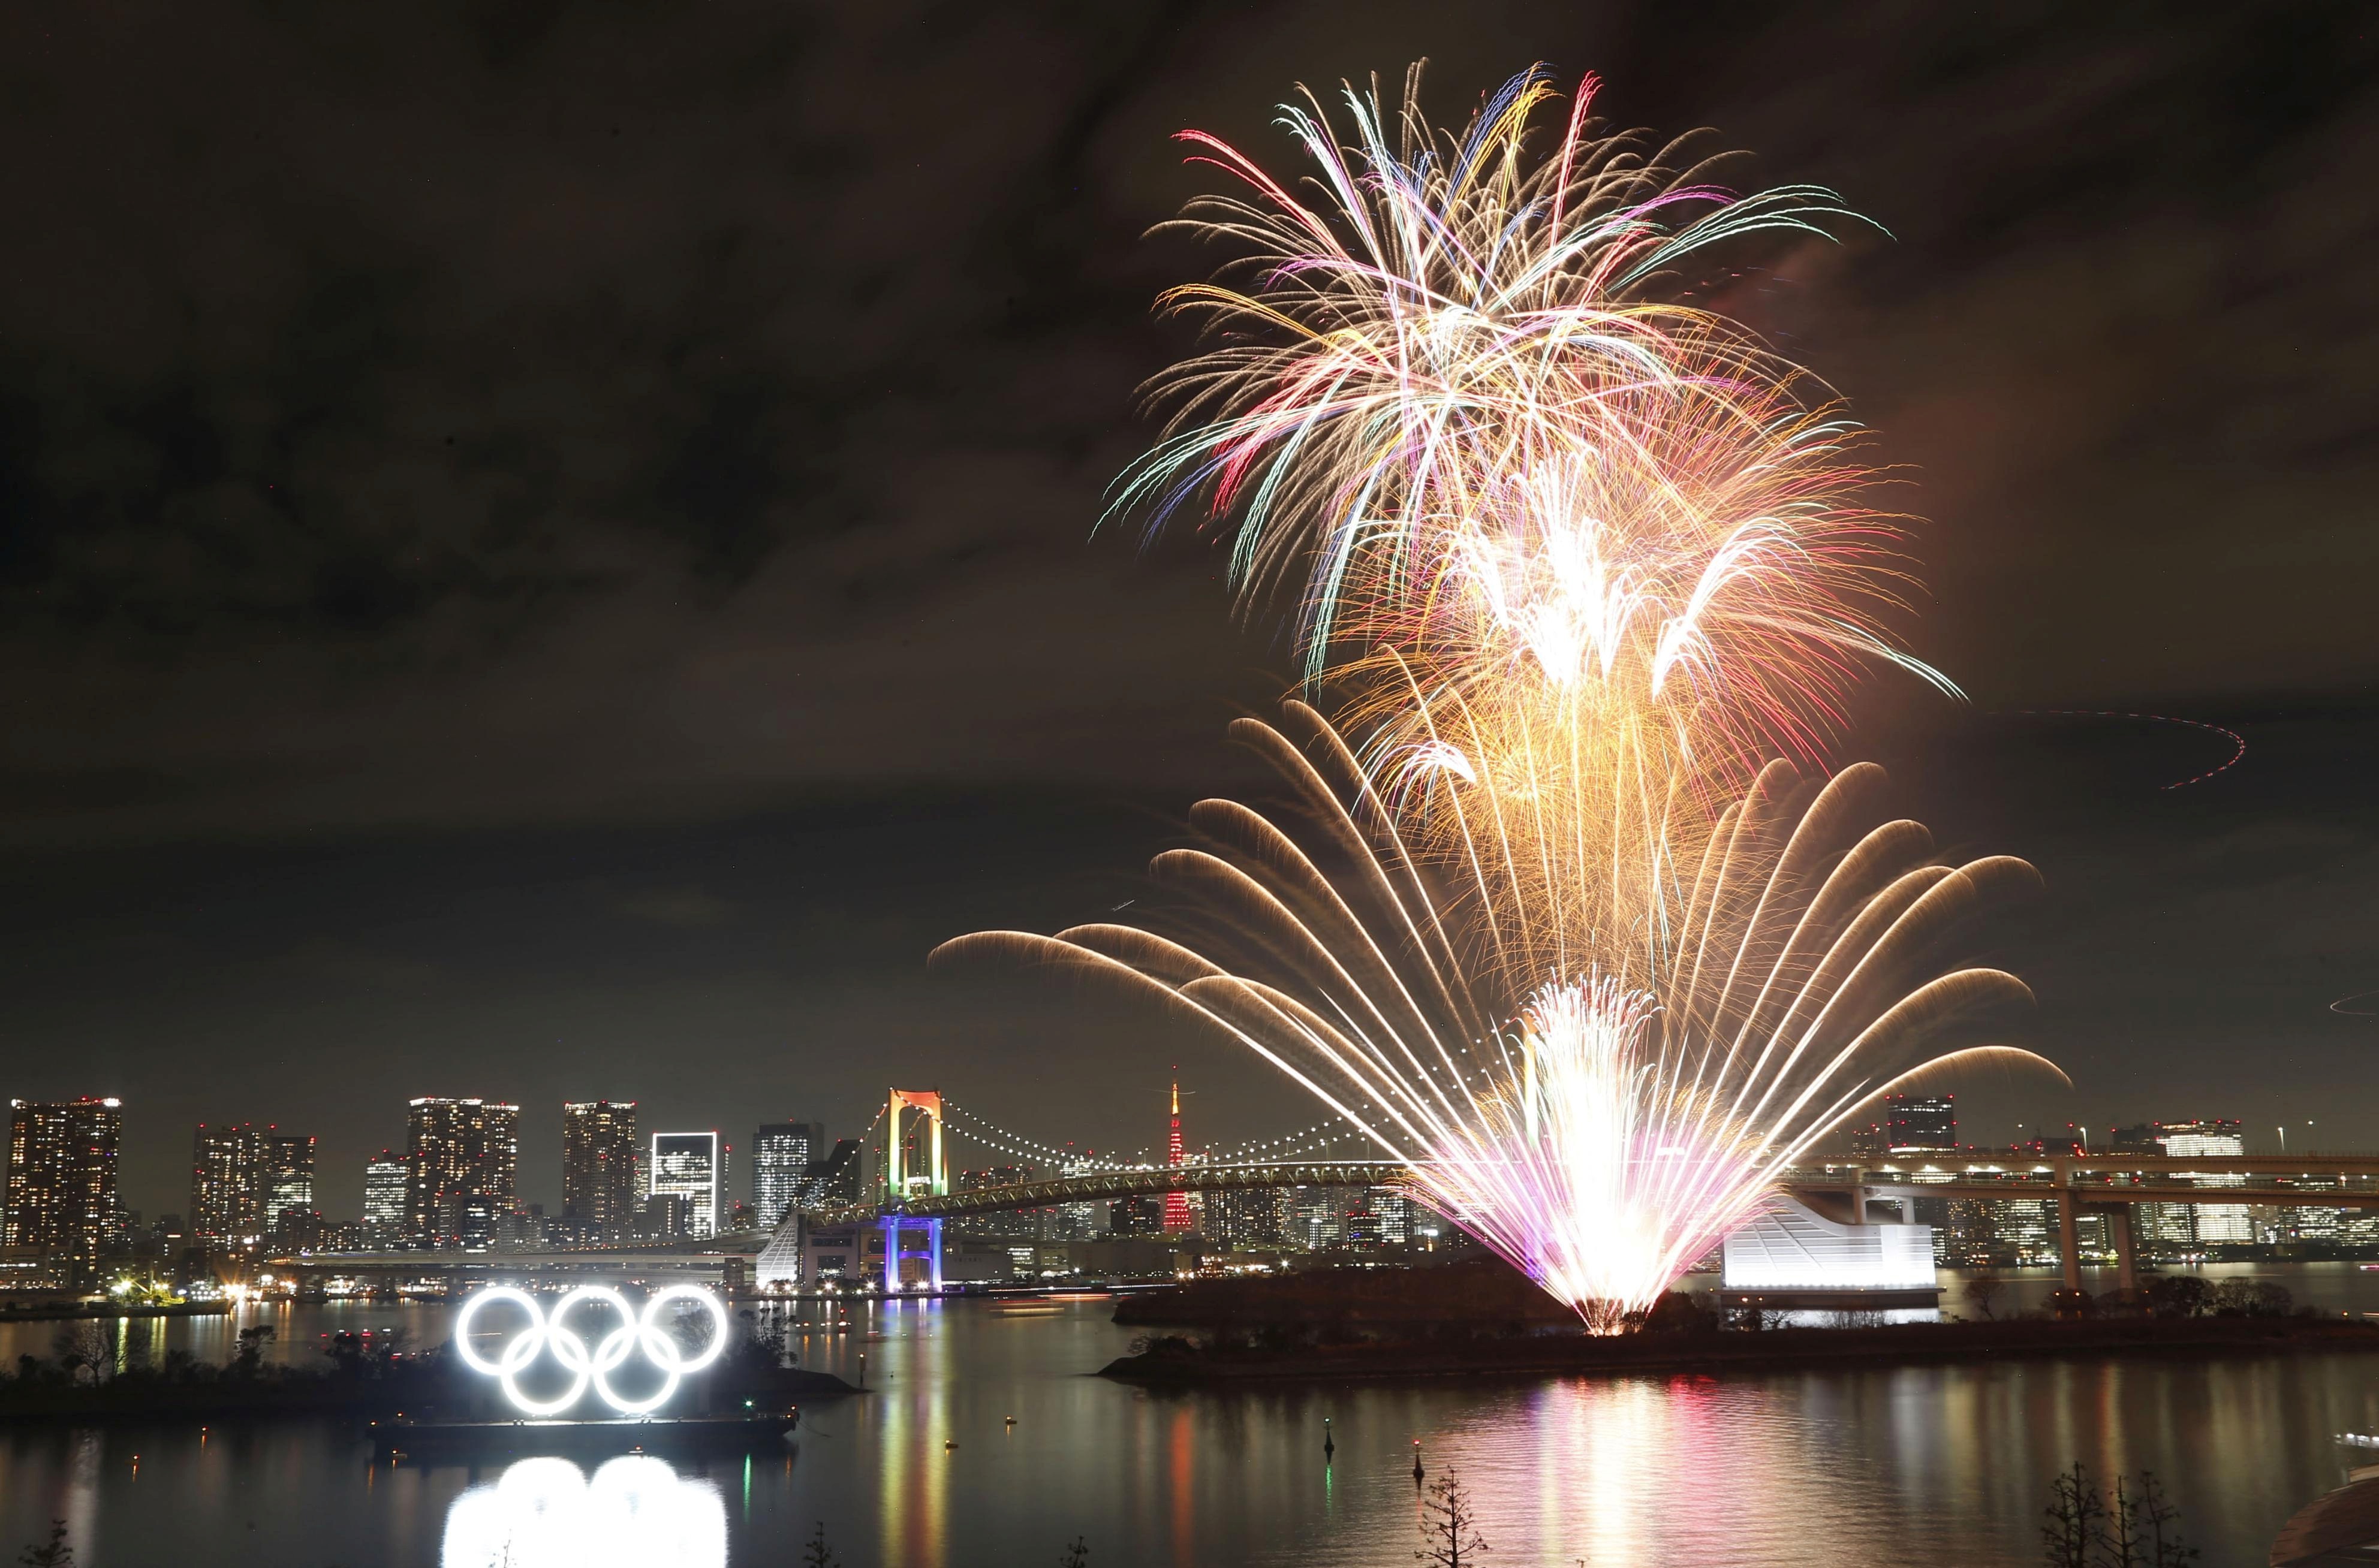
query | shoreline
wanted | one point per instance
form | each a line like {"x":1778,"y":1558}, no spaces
{"x":1772,"y":1350}
{"x":78,"y":1311}
{"x":134,"y":1402}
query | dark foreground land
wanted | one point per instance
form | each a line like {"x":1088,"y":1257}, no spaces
{"x":140,"y":1399}
{"x":70,"y":1311}
{"x":1481,"y":1318}
{"x":375,"y":1378}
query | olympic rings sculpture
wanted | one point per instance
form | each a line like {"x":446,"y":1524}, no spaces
{"x":610,"y":1352}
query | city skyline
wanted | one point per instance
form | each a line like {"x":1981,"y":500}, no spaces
{"x":690,"y":825}
{"x":1204,"y":815}
{"x":236,"y":1167}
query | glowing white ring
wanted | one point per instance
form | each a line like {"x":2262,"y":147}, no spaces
{"x":634,"y":1331}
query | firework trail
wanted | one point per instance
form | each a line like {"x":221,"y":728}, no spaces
{"x":1573,"y":559}
{"x":1599,"y":1136}
{"x":1550,"y":523}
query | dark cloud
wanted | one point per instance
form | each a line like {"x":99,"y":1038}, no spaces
{"x":487,"y":494}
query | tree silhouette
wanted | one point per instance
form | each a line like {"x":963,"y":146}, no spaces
{"x":1448,"y":1532}
{"x":51,"y":1553}
{"x":2077,"y":1519}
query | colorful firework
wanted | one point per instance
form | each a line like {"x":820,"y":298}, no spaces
{"x":1600,"y":1136}
{"x":1576,"y":557}
{"x":1550,"y":523}
{"x":1461,"y":412}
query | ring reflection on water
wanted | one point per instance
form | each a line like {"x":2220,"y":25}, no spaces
{"x":633,"y":1512}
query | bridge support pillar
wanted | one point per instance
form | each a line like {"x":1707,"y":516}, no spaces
{"x":897,"y":1253}
{"x":2069,"y":1241}
{"x":2126,"y":1248}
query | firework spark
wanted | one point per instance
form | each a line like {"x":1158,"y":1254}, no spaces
{"x":1600,"y":1136}
{"x":1547,"y":521}
{"x":1576,"y":557}
{"x":1459,"y":400}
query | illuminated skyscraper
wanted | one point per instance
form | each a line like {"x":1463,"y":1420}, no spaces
{"x":599,"y":1166}
{"x":1135,"y":1213}
{"x":781,"y":1154}
{"x":2191,"y":1139}
{"x":243,"y":1181}
{"x":62,"y":1179}
{"x":227,"y":1186}
{"x":835,"y":1178}
{"x":689,"y":1165}
{"x":1247,"y":1216}
{"x":385,"y":1194}
{"x":287,"y":1178}
{"x":1012,"y":1225}
{"x":1920,"y":1124}
{"x":463,"y":1160}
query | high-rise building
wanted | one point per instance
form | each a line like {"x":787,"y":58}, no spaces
{"x":287,"y":1178}
{"x":463,"y":1163}
{"x":1011,"y":1224}
{"x":1246,"y":1216}
{"x":1920,"y":1124}
{"x":1317,"y":1215}
{"x":1390,"y":1214}
{"x":387,"y":1181}
{"x":1135,"y":1213}
{"x":781,"y":1154}
{"x":227,"y":1186}
{"x":599,"y":1192}
{"x":689,"y":1165}
{"x":835,"y":1180}
{"x":2191,"y":1139}
{"x":62,"y":1179}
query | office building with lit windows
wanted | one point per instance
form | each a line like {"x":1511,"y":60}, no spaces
{"x":689,"y":1165}
{"x":2193,"y":1139}
{"x":462,"y":1160}
{"x":287,"y":1176}
{"x":599,"y":1194}
{"x":226,"y":1186}
{"x":781,"y":1155}
{"x":386,"y":1184}
{"x":1920,"y":1124}
{"x":1247,"y":1216}
{"x":62,"y":1199}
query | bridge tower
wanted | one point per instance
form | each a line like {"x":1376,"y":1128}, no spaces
{"x":930,"y":1177}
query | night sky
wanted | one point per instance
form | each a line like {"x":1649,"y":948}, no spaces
{"x":546,"y":552}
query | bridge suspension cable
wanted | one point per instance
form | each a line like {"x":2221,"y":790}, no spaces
{"x":979,"y":1129}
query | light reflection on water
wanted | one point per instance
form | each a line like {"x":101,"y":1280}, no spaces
{"x":1824,"y":1468}
{"x":633,"y":1512}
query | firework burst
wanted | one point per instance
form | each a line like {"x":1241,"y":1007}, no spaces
{"x":1599,"y":1135}
{"x":1576,"y":557}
